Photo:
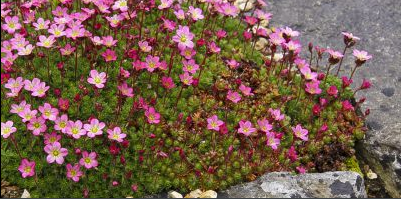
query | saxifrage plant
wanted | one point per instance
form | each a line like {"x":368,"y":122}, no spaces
{"x":116,"y":98}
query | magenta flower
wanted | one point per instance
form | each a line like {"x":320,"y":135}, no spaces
{"x":292,"y":154}
{"x":125,"y":90}
{"x":37,"y":125}
{"x":196,"y":13}
{"x":11,"y":24}
{"x":94,"y":128}
{"x":7,"y":129}
{"x":332,"y":91}
{"x":115,"y":134}
{"x":247,"y":91}
{"x":184,"y":37}
{"x":51,"y":138}
{"x":152,"y":63}
{"x":361,"y":56}
{"x":213,"y":123}
{"x":301,"y":169}
{"x":88,"y":160}
{"x":168,"y":82}
{"x":313,"y":87}
{"x":245,"y":127}
{"x":48,"y":112}
{"x":347,"y":106}
{"x":152,"y":115}
{"x":144,"y":46}
{"x":272,"y":141}
{"x":61,"y":123}
{"x":265,"y":126}
{"x":27,"y":168}
{"x":74,"y":172}
{"x":300,"y":132}
{"x":40,"y":90}
{"x":233,"y":96}
{"x":55,"y":153}
{"x":186,"y":79}
{"x":190,"y":66}
{"x":75,"y":129}
{"x":276,"y":114}
{"x":109,"y":55}
{"x":365,"y":84}
{"x":97,"y":79}
{"x":46,"y":42}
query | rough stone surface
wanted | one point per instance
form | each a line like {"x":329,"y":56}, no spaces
{"x":342,"y":184}
{"x":378,"y":24}
{"x":174,"y":194}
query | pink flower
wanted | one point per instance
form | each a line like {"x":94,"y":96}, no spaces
{"x":67,"y":50}
{"x":168,"y":82}
{"x":109,"y":55}
{"x":232,"y":63}
{"x":335,"y":54}
{"x":28,"y":114}
{"x":51,"y":138}
{"x":48,"y":112}
{"x":59,"y":11}
{"x":276,"y":39}
{"x":276,"y":114}
{"x":30,"y":85}
{"x":233,"y":96}
{"x":272,"y":141}
{"x":292,"y":154}
{"x":179,"y":14}
{"x":347,"y":106}
{"x":247,"y":91}
{"x":41,"y":24}
{"x":46,"y":42}
{"x":7,"y":129}
{"x":88,"y":160}
{"x":18,"y":109}
{"x":365,"y":84}
{"x":97,"y":79}
{"x":74,"y":172}
{"x":186,"y":79}
{"x":228,"y":9}
{"x":293,"y":46}
{"x":188,"y":53}
{"x":308,"y":74}
{"x":195,"y":13}
{"x":152,"y":115}
{"x":55,"y":153}
{"x":361,"y":56}
{"x":15,"y":85}
{"x":96,"y":40}
{"x":265,"y":126}
{"x":213,"y":123}
{"x":121,"y":5}
{"x":125,"y":90}
{"x":63,"y":104}
{"x":144,"y":46}
{"x":165,"y":4}
{"x":40,"y":90}
{"x":152,"y":63}
{"x":332,"y":91}
{"x":124,"y":73}
{"x":350,"y":36}
{"x":313,"y":87}
{"x":301,"y":169}
{"x":190,"y":66}
{"x":61,"y":123}
{"x":184,"y":37}
{"x":263,"y":15}
{"x":108,"y":41}
{"x":116,"y":134}
{"x":214,"y":48}
{"x":245,"y":127}
{"x":11,"y":24}
{"x":300,"y":133}
{"x":75,"y":129}
{"x":94,"y":128}
{"x":289,"y":32}
{"x":27,"y":50}
{"x":27,"y":168}
{"x":37,"y":125}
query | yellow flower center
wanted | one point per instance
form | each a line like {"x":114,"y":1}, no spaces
{"x":87,"y":160}
{"x":7,"y":130}
{"x":183,"y":38}
{"x":56,"y":153}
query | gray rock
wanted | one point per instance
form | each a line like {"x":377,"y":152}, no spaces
{"x":378,"y":24}
{"x":340,"y":184}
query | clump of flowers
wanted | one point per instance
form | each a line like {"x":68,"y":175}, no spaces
{"x":124,"y":97}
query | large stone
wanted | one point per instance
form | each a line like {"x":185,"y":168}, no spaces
{"x":375,"y":22}
{"x":340,"y":184}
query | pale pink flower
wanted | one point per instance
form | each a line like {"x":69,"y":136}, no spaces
{"x":276,"y":39}
{"x":184,"y":37}
{"x":109,"y":55}
{"x":300,"y":132}
{"x":48,"y":112}
{"x":115,"y":20}
{"x":289,"y":32}
{"x":94,"y":128}
{"x":214,"y":48}
{"x":18,"y":109}
{"x":196,"y":13}
{"x":313,"y":87}
{"x":41,"y":24}
{"x":213,"y":123}
{"x":188,"y":53}
{"x":37,"y":125}
{"x":75,"y":129}
{"x":97,"y":79}
{"x":350,"y":36}
{"x":67,"y":50}
{"x":46,"y":42}
{"x":55,"y":153}
{"x":361,"y":55}
{"x":97,"y":41}
{"x":57,"y":30}
{"x":334,"y":54}
{"x":108,"y":41}
{"x":27,"y":168}
{"x":28,"y":114}
{"x":126,"y":90}
{"x":272,"y":141}
{"x":51,"y":138}
{"x":144,"y":46}
{"x":152,"y":115}
{"x":180,"y":14}
{"x":11,"y":24}
{"x":115,"y":134}
{"x":7,"y":129}
{"x":232,"y":63}
{"x":190,"y":66}
{"x":74,"y":172}
{"x":186,"y":79}
{"x":165,"y":4}
{"x":247,"y":91}
{"x":15,"y":85}
{"x":60,"y":11}
{"x":152,"y":63}
{"x":61,"y":123}
{"x":228,"y":9}
{"x":276,"y":114}
{"x":265,"y":126}
{"x":121,"y":5}
{"x":27,"y":50}
{"x":233,"y":96}
{"x":88,"y":160}
{"x":308,"y":74}
{"x":245,"y":127}
{"x":40,"y":90}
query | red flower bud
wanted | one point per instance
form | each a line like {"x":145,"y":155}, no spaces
{"x":63,"y":104}
{"x":134,"y":187}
